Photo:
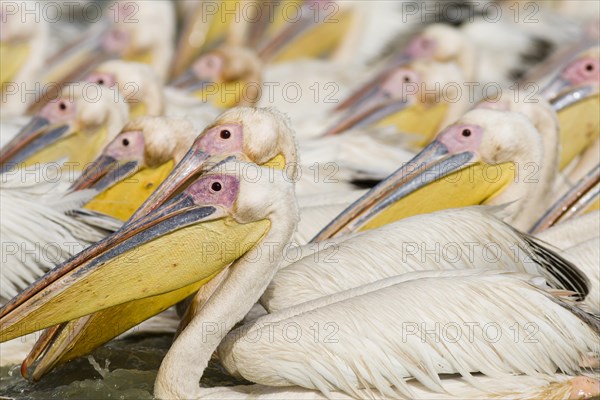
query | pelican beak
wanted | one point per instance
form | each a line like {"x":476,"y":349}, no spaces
{"x":191,"y":83}
{"x":372,"y":89}
{"x":37,"y":135}
{"x":193,"y":164}
{"x":104,"y":172}
{"x":579,"y":120}
{"x":162,"y":252}
{"x":433,"y":180}
{"x":73,"y":62}
{"x":575,"y":202}
{"x":370,"y":114}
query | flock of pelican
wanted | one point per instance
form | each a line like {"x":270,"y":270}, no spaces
{"x":353,"y":202}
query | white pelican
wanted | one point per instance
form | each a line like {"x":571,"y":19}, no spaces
{"x":53,"y":147}
{"x":417,"y":99}
{"x":75,"y":127}
{"x":271,"y":210}
{"x":127,"y":30}
{"x":260,"y":135}
{"x":482,"y":158}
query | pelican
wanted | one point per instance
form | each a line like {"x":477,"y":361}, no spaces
{"x":260,"y":135}
{"x":268,"y":205}
{"x":575,"y":95}
{"x":225,"y":77}
{"x":75,"y":127}
{"x":417,"y":99}
{"x":127,"y":32}
{"x":482,"y":158}
{"x":38,"y":166}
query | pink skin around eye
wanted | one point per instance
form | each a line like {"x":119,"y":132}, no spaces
{"x":59,"y":110}
{"x":420,"y":47}
{"x":460,"y":138}
{"x":222,"y":139}
{"x":127,"y":146}
{"x":102,"y":78}
{"x":218,"y":189}
{"x":115,"y":41}
{"x":400,"y":84}
{"x":583,"y":71}
{"x":208,"y":66}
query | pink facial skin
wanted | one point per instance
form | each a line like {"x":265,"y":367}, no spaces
{"x":222,"y":139}
{"x":400,"y":84}
{"x":127,"y":146}
{"x":209,"y":66}
{"x":102,"y":78}
{"x":583,"y":71}
{"x":461,"y":138}
{"x":420,"y":48}
{"x":115,"y":41}
{"x":217,"y":189}
{"x":59,"y":110}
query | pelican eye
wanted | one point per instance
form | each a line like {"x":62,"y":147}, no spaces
{"x":62,"y":105}
{"x":406,"y":79}
{"x":101,"y":81}
{"x":225,"y":134}
{"x":216,"y":186}
{"x":466,"y":132}
{"x":589,"y":67}
{"x":125,"y":142}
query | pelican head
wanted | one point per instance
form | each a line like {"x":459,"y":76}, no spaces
{"x":260,"y":135}
{"x":164,"y":252}
{"x":128,"y":32}
{"x":580,"y":74}
{"x":132,"y":166}
{"x":438,"y":42}
{"x":574,"y":94}
{"x":137,"y":83}
{"x":74,"y":127}
{"x":227,"y":76}
{"x":134,"y":36}
{"x":487,"y":156}
{"x":416,"y":99}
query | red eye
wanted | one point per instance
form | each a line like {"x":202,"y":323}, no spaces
{"x":216,"y":186}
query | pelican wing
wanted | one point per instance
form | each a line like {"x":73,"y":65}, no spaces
{"x":415,"y":325}
{"x":447,"y":240}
